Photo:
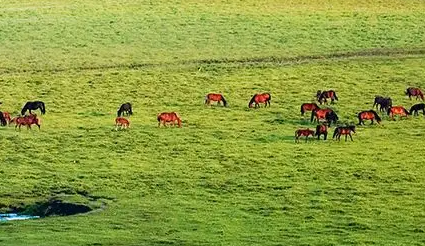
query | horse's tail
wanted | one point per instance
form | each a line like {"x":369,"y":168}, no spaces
{"x":42,"y":108}
{"x":406,"y":112}
{"x":158,"y":117}
{"x":376,"y":116}
{"x":2,"y":119}
{"x":335,"y":133}
{"x":302,"y":109}
{"x":251,"y":101}
{"x":421,"y":95}
{"x":119,"y":113}
{"x":388,"y":110}
{"x":130,"y":110}
{"x":313,"y":113}
{"x":317,"y":133}
{"x":206,"y":99}
{"x":224,"y":101}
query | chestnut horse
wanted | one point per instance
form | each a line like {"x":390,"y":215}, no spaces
{"x":303,"y":132}
{"x":308,"y":107}
{"x":344,"y":130}
{"x":216,"y":98}
{"x":318,"y":114}
{"x":169,"y":117}
{"x":411,"y":91}
{"x":397,"y":110}
{"x":368,"y":115}
{"x":121,"y":122}
{"x":260,"y":98}
{"x":322,"y":129}
{"x":323,"y":95}
{"x":26,"y":120}
{"x":414,"y":109}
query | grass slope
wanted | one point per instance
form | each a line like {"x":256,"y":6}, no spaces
{"x":230,"y":176}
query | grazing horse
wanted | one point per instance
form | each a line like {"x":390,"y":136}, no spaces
{"x":169,"y":117}
{"x":26,"y":120}
{"x":368,"y":115}
{"x":411,"y":91}
{"x":216,"y":98}
{"x":3,"y":121}
{"x":318,"y":114}
{"x":322,"y":96}
{"x":384,"y":103}
{"x":344,"y":130}
{"x":331,"y":117}
{"x":33,"y":106}
{"x":122,"y":123}
{"x":397,"y":110}
{"x":303,"y":132}
{"x":125,"y":108}
{"x":322,"y":129}
{"x":308,"y":107}
{"x":260,"y":98}
{"x":415,"y":108}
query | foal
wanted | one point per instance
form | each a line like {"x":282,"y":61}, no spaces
{"x":303,"y":132}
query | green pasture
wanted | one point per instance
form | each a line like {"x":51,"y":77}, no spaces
{"x":229,"y":176}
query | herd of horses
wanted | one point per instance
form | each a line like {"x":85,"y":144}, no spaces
{"x":323,"y":116}
{"x":328,"y":116}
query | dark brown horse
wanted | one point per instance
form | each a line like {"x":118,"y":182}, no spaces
{"x":415,"y":92}
{"x":322,"y":96}
{"x":397,"y":110}
{"x":308,"y":107}
{"x":368,"y":115}
{"x":414,"y":109}
{"x":303,"y":132}
{"x":216,"y":98}
{"x":322,"y":130}
{"x":384,"y":103}
{"x":344,"y":130}
{"x":260,"y":98}
{"x":172,"y":117}
{"x":6,"y":116}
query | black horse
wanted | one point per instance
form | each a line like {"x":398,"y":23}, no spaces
{"x":331,"y":117}
{"x":384,"y":102}
{"x":125,"y":108}
{"x":3,"y":121}
{"x":33,"y":106}
{"x":415,"y":108}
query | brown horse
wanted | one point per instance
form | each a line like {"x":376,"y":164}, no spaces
{"x":397,"y":110}
{"x":319,"y":114}
{"x":26,"y":120}
{"x":303,"y":132}
{"x":169,"y":117}
{"x":322,"y":129}
{"x":323,"y":95}
{"x":260,"y":98}
{"x":412,"y":91}
{"x":308,"y":107}
{"x":216,"y":98}
{"x":121,"y":122}
{"x":344,"y":130}
{"x":368,"y":115}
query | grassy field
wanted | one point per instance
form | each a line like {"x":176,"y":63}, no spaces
{"x":230,"y":176}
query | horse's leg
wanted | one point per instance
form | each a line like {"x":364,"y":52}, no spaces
{"x":325,"y":135}
{"x":371,"y":121}
{"x":346,"y":135}
{"x":423,"y":111}
{"x":351,"y":136}
{"x":306,"y":137}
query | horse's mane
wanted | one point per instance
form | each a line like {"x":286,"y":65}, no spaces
{"x":252,"y":100}
{"x":224,"y":101}
{"x":376,"y":115}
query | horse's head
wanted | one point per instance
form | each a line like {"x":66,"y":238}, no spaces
{"x":352,"y":128}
